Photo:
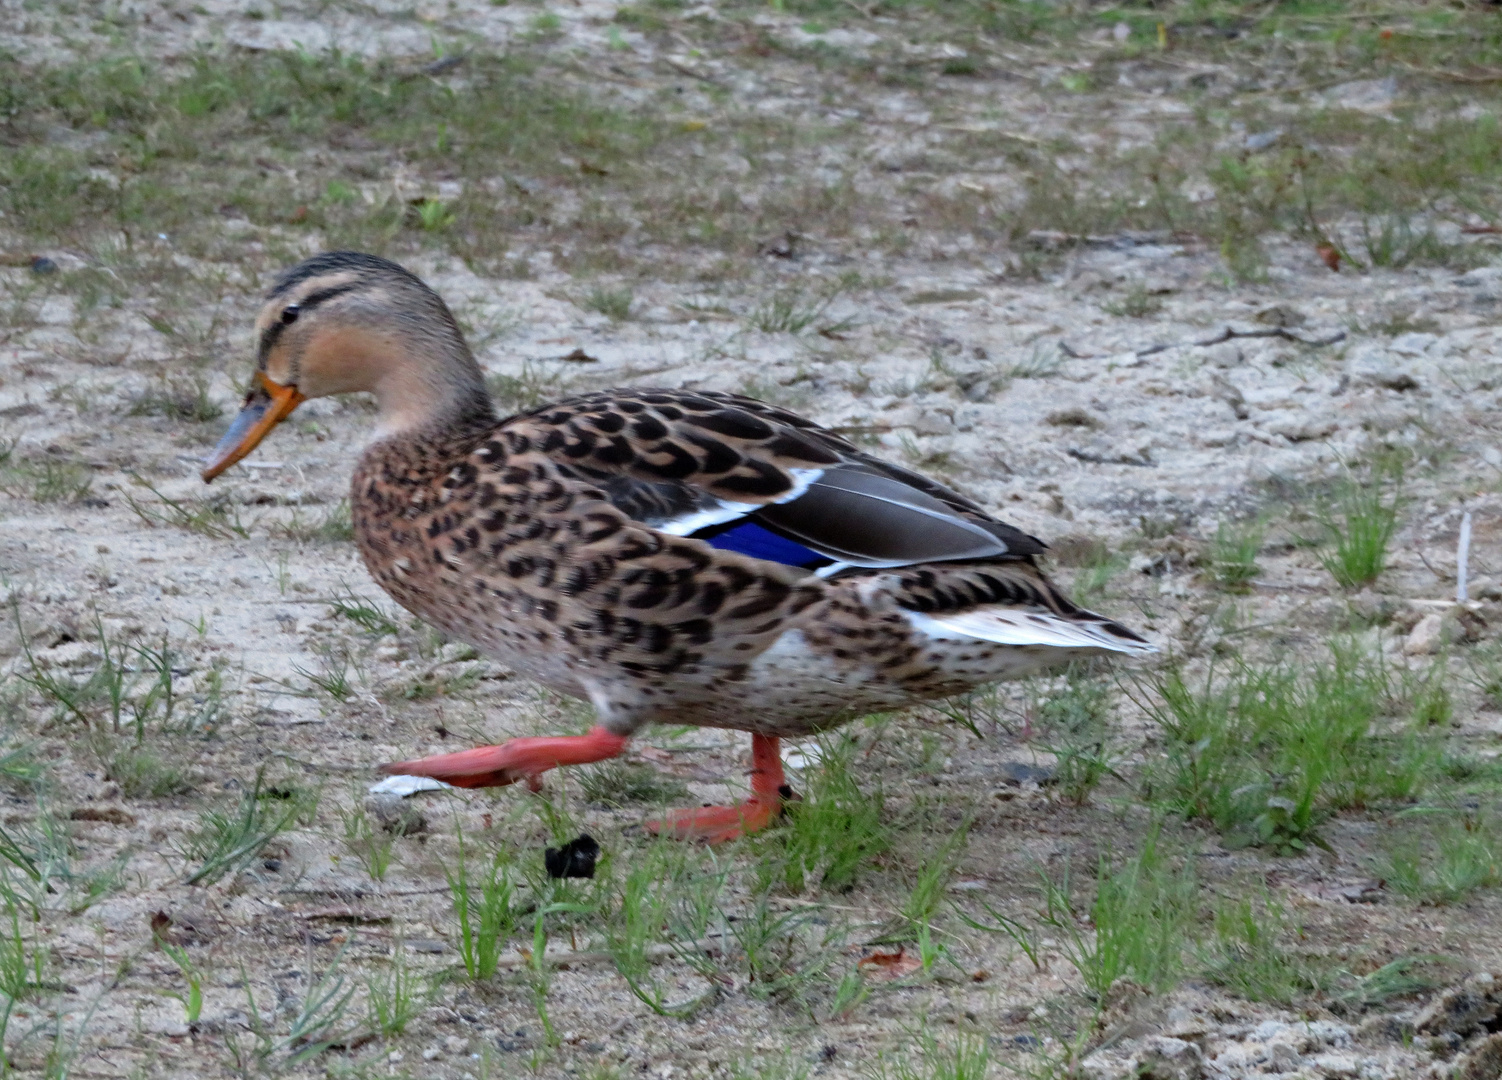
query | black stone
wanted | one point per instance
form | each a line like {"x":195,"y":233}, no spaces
{"x":574,"y":859}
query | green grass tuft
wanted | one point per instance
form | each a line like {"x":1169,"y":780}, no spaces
{"x":1266,"y":754}
{"x":1445,"y":862}
{"x":1359,"y":524}
{"x":832,"y":833}
{"x":226,"y":843}
{"x":1234,"y":551}
{"x":614,"y":304}
{"x":1141,"y":917}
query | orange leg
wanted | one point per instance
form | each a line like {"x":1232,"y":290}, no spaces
{"x":519,"y":759}
{"x":716,"y":824}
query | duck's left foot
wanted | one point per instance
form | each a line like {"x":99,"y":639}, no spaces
{"x":717,"y":824}
{"x":519,"y":759}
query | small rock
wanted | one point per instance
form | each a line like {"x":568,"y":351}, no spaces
{"x":1227,"y":355}
{"x":1165,"y":1058}
{"x":1184,"y":1024}
{"x":1372,"y":365}
{"x":1281,"y":315}
{"x":929,"y":422}
{"x":1373,"y":608}
{"x":1075,"y":417}
{"x":1428,"y":637}
{"x":1438,"y":629}
{"x":1283,"y":1057}
{"x":1337,"y":1066}
{"x":1017,"y":772}
{"x":1296,"y":427}
{"x":42,"y":266}
{"x":575,"y":859}
{"x":1484,"y":588}
{"x":943,"y":296}
{"x":1412,"y":344}
{"x":432,"y":1053}
{"x":396,"y":815}
{"x":1482,"y":275}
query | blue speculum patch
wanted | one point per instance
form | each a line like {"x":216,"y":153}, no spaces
{"x":749,"y":538}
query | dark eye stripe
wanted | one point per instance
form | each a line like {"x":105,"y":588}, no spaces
{"x":274,"y":331}
{"x":321,"y":295}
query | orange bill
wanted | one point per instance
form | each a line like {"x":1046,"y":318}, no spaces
{"x":266,"y":406}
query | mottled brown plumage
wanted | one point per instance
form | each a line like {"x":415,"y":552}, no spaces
{"x":673,"y":556}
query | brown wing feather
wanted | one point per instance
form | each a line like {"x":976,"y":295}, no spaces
{"x":658,"y":452}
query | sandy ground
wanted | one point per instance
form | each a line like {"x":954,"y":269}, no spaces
{"x":1098,"y":432}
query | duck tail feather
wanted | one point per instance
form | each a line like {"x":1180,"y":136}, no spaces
{"x":1035,"y":626}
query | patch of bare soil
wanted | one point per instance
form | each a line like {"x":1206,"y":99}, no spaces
{"x":929,"y":228}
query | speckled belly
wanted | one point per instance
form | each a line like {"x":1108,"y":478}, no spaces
{"x":794,"y":688}
{"x":808,"y":680}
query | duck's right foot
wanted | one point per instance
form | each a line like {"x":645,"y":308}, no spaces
{"x":717,"y":824}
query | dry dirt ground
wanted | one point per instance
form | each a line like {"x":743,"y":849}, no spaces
{"x":1073,"y":259}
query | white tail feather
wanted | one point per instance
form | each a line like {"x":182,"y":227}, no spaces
{"x":1026,"y":626}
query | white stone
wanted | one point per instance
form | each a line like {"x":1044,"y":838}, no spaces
{"x":1479,"y":276}
{"x":1429,"y":636}
{"x":1372,"y":365}
{"x":1300,"y":427}
{"x":1227,"y":355}
{"x":1412,"y":344}
{"x":1283,"y":1057}
{"x":1337,"y":1066}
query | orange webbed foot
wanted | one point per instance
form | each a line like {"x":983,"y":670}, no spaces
{"x":518,"y":759}
{"x":718,"y":824}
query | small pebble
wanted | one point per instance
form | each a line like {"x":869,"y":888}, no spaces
{"x":575,"y":859}
{"x":42,"y":266}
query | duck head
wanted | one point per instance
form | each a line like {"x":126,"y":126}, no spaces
{"x":343,"y":322}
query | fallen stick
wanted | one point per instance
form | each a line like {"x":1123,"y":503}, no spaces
{"x":1230,"y":333}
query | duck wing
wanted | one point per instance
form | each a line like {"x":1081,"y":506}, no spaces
{"x":750,"y":477}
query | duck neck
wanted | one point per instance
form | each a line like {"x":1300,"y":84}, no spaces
{"x":442,"y":396}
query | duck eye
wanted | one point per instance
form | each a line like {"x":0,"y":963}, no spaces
{"x":290,"y":314}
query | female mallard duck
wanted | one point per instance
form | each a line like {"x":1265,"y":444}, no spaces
{"x":674,"y":556}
